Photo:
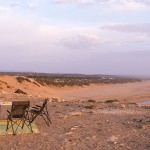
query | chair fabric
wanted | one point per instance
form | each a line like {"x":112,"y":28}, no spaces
{"x":19,"y":116}
{"x":41,"y":111}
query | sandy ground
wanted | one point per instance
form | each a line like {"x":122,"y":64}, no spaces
{"x":78,"y":124}
{"x":138,"y":91}
{"x":129,"y":91}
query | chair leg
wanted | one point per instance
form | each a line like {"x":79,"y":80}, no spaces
{"x":30,"y":127}
{"x":7,"y":125}
{"x":18,"y":124}
{"x":47,"y":115}
{"x":49,"y":119}
{"x":29,"y":121}
{"x":46,"y":121}
{"x":23,"y":122}
{"x":14,"y":133}
{"x":46,"y":118}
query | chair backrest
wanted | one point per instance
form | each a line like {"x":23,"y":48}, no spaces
{"x":18,"y":108}
{"x":44,"y":104}
{"x":40,"y":110}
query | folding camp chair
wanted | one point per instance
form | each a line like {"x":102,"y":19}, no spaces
{"x":18,"y":116}
{"x":40,"y":111}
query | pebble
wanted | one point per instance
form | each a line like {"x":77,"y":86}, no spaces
{"x":45,"y":134}
{"x":94,"y":137}
{"x":122,"y":144}
{"x":122,"y":105}
{"x":69,"y":133}
{"x":112,"y":139}
{"x":76,"y":113}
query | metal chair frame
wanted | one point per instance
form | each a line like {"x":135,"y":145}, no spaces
{"x":41,"y":111}
{"x":19,"y":115}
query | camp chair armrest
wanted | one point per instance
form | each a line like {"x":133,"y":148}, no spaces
{"x":8,"y":111}
{"x":35,"y":108}
{"x":38,"y":106}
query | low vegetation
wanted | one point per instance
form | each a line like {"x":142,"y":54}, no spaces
{"x":91,"y":101}
{"x":36,"y":84}
{"x":89,"y":107}
{"x":22,"y":79}
{"x":18,"y":91}
{"x":64,"y":80}
{"x":112,"y":100}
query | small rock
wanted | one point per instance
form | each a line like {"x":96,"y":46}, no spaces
{"x":122,"y":144}
{"x":134,"y":130}
{"x":87,"y":138}
{"x":72,"y":129}
{"x":122,"y":105}
{"x":45,"y":134}
{"x":128,"y":147}
{"x":113,"y":139}
{"x":61,"y":116}
{"x":66,"y":117}
{"x":128,"y":122}
{"x":94,"y":137}
{"x":69,"y":133}
{"x":76,"y":113}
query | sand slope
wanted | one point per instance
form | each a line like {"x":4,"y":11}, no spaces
{"x":128,"y":91}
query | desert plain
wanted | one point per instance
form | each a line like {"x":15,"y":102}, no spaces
{"x":93,"y":117}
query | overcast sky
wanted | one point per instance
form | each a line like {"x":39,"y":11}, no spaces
{"x":75,"y":36}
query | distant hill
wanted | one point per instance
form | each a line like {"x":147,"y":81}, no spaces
{"x":62,"y":80}
{"x":68,"y":75}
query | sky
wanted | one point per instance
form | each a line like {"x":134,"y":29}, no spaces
{"x":75,"y":36}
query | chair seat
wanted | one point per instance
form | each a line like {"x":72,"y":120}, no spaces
{"x":18,"y":116}
{"x":34,"y":111}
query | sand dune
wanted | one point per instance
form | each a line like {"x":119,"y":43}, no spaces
{"x":137,"y":91}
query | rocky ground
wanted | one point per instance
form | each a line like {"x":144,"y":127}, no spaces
{"x":86,"y":125}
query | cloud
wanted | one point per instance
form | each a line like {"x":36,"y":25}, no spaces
{"x":113,"y":4}
{"x":142,"y":28}
{"x":82,"y":41}
{"x":90,"y":37}
{"x":119,"y":4}
{"x":30,"y":5}
{"x":20,"y":32}
{"x":5,"y":10}
{"x":82,"y":2}
{"x":138,"y":31}
{"x":15,"y":4}
{"x":124,"y":2}
{"x":124,"y":5}
{"x":129,"y":34}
